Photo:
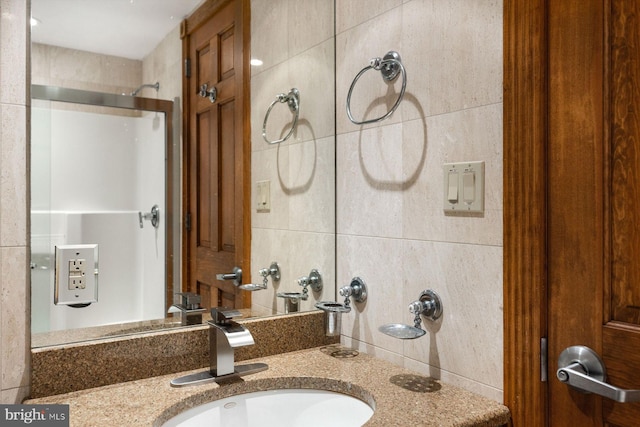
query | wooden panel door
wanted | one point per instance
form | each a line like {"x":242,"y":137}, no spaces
{"x":577,"y":159}
{"x":217,"y":158}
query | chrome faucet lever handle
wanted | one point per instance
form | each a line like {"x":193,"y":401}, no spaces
{"x":221,"y":315}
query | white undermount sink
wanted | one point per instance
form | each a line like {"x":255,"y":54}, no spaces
{"x":281,"y":408}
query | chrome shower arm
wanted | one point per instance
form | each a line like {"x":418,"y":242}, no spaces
{"x":155,"y":85}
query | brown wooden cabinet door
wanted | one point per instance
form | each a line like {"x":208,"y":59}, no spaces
{"x":216,"y":172}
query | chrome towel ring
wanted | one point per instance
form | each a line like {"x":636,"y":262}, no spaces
{"x":293,"y":101}
{"x":389,"y":66}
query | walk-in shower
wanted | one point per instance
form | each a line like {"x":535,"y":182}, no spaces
{"x":100,"y":163}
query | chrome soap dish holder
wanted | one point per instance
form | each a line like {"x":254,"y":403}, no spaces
{"x":313,"y":280}
{"x":292,"y":99}
{"x":273,"y":271}
{"x":389,"y":66}
{"x":428,"y":305}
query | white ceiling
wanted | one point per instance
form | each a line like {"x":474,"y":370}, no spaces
{"x":127,"y":28}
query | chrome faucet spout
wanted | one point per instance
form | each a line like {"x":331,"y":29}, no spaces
{"x":225,"y":335}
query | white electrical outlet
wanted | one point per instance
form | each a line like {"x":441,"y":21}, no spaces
{"x":76,"y":265}
{"x":76,"y":282}
{"x":76,"y":274}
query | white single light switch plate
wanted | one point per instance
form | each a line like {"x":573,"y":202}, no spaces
{"x":263,"y":196}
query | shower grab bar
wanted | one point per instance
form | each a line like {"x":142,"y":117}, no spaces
{"x":293,"y":101}
{"x":389,"y":66}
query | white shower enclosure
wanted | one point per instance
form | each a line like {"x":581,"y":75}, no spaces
{"x":99,"y":162}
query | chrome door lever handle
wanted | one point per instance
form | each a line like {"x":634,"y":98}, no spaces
{"x":581,"y":368}
{"x":236,"y":276}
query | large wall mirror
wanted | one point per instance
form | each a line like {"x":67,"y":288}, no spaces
{"x":98,"y":171}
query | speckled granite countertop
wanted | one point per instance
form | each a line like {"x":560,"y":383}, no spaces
{"x":383,"y":385}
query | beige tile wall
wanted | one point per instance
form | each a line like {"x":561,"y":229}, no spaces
{"x":70,"y":68}
{"x":14,"y":201}
{"x":164,"y":65}
{"x":392,"y":231}
{"x":298,"y":231}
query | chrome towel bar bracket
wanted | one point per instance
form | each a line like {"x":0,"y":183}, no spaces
{"x":292,"y":99}
{"x":389,"y":66}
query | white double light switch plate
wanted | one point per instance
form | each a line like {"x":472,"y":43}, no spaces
{"x":464,"y":187}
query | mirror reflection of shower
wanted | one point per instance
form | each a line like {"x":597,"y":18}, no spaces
{"x":94,"y":169}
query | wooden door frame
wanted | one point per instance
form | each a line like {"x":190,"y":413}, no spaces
{"x":188,"y":26}
{"x":525,"y":179}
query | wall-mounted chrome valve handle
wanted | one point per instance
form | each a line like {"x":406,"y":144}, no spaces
{"x":153,"y":216}
{"x":236,"y":276}
{"x":581,"y":368}
{"x":205,"y":92}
